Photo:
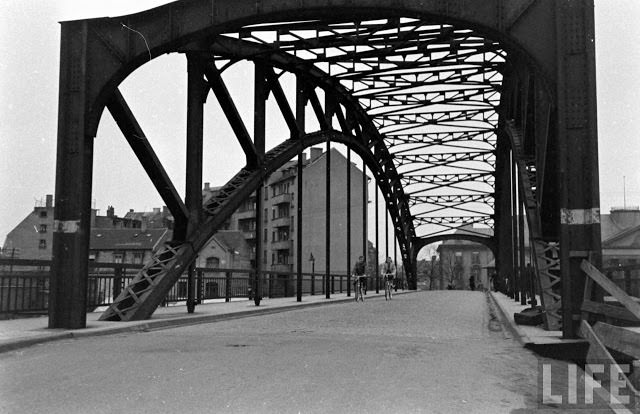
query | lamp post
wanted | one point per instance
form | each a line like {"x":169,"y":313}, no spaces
{"x":313,"y":271}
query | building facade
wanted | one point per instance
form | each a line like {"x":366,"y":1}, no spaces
{"x":279,"y":216}
{"x":461,"y":259}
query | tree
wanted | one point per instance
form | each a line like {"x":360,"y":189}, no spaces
{"x":451,"y":270}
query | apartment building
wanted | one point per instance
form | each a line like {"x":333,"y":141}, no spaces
{"x":280,"y":215}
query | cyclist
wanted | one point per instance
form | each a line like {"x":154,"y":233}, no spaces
{"x":389,"y":272}
{"x":359,"y":278}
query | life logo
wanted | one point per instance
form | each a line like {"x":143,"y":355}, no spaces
{"x":602,"y":385}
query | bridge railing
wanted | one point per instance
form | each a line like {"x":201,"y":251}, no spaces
{"x":24,"y":284}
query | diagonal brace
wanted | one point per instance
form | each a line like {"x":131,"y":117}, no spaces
{"x":282,"y":102}
{"x":148,"y":159}
{"x":231,"y":112}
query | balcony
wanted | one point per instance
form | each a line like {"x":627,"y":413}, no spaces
{"x":281,"y":245}
{"x":281,"y":221}
{"x":282,"y":198}
{"x":247,"y":214}
{"x":249,"y":235}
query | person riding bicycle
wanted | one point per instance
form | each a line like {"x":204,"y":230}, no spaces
{"x":359,"y":273}
{"x":389,"y":272}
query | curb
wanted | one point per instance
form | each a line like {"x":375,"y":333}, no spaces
{"x":504,"y":319}
{"x":158,"y":324}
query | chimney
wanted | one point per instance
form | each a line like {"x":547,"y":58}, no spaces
{"x":156,"y":210}
{"x":315,"y":153}
{"x":110,"y":212}
{"x":165,"y":211}
{"x":304,"y":158}
{"x":206,"y":186}
{"x":49,"y":201}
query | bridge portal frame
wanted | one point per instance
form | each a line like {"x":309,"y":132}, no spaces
{"x":549,"y":41}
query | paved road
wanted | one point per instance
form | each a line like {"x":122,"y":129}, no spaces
{"x":426,"y":352}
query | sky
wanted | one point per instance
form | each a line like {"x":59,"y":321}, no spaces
{"x":29,"y":71}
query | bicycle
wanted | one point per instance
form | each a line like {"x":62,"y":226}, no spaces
{"x":358,"y":288}
{"x":388,"y":286}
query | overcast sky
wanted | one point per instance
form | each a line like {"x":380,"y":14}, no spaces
{"x":29,"y":46}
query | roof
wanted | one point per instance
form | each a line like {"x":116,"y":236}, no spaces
{"x":619,"y":221}
{"x":469,"y":230}
{"x":127,"y":239}
{"x":231,"y":240}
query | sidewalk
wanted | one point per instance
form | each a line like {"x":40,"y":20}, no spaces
{"x":526,"y":335}
{"x":23,"y":332}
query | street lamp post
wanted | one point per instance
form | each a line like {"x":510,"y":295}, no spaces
{"x":313,"y":276}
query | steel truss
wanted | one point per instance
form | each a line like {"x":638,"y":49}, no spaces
{"x":421,"y":91}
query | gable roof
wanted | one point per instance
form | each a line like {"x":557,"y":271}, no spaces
{"x":231,"y":240}
{"x":127,"y":239}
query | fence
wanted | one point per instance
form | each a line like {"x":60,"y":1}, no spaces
{"x":24,"y":284}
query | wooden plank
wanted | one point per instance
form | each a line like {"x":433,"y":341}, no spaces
{"x":617,"y":312}
{"x":598,"y":353}
{"x":618,"y":338}
{"x":612,"y":288}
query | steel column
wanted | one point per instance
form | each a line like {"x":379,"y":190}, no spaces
{"x":523,"y":276}
{"x":348,"y":222}
{"x":364,"y":215}
{"x":196,"y":96}
{"x":74,"y":165}
{"x":504,"y":260}
{"x":377,"y":242}
{"x":261,"y":92}
{"x":578,"y":153}
{"x":328,"y":220}
{"x":301,"y":101}
{"x":515,"y":283}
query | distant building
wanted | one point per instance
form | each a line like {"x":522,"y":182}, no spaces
{"x":621,"y":247}
{"x":460,"y":259}
{"x":620,"y":237}
{"x":155,"y":219}
{"x":280,"y":215}
{"x":32,"y":238}
{"x":132,"y":246}
{"x":226,"y":250}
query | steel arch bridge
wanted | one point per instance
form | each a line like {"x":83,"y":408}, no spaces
{"x":467,"y":113}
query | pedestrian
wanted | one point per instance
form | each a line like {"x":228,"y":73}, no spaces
{"x":472,"y":282}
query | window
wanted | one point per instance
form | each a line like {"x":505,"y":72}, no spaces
{"x":458,"y":258}
{"x":43,"y":213}
{"x":266,"y":235}
{"x":137,"y":257}
{"x":43,"y":228}
{"x":264,"y":257}
{"x":475,"y":258}
{"x":117,"y":257}
{"x":42,"y":244}
{"x":212,"y":262}
{"x":266,"y":215}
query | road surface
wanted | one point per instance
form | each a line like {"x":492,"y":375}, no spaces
{"x":425,"y":352}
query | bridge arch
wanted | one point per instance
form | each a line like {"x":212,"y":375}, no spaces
{"x":551,"y":101}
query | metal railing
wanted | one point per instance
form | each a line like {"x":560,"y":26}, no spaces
{"x":24,"y":284}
